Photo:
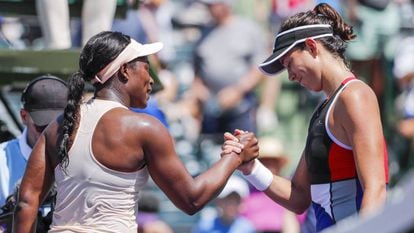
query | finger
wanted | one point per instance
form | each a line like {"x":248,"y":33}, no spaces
{"x":233,"y":143}
{"x":226,"y":151}
{"x":229,"y":136}
{"x":236,"y":150}
{"x":229,"y":149}
{"x":239,"y":132}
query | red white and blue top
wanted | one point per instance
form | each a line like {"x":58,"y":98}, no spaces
{"x":335,"y":189}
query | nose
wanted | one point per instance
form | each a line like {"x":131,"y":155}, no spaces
{"x":291,"y":76}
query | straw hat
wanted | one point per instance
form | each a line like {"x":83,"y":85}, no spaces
{"x":272,"y":148}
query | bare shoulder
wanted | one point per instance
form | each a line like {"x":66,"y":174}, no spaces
{"x":357,"y":94}
{"x":134,"y":119}
{"x":357,"y":103}
{"x":133,"y":123}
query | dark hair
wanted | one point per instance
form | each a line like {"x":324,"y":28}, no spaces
{"x":324,"y":14}
{"x":98,"y":52}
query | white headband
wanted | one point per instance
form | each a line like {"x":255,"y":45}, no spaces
{"x":132,"y":51}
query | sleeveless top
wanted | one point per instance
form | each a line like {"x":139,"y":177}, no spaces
{"x":90,"y":196}
{"x":335,"y":189}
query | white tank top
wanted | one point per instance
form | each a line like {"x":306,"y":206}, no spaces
{"x":90,"y":196}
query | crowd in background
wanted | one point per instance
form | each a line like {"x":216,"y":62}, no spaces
{"x":234,"y":94}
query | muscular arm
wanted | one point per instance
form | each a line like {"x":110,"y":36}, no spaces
{"x":292,"y":194}
{"x":362,"y":125}
{"x":169,"y":173}
{"x":36,"y":183}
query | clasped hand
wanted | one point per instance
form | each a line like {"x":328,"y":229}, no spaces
{"x":242,"y":143}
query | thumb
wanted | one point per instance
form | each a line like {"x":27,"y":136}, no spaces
{"x":238,"y":132}
{"x":229,"y":136}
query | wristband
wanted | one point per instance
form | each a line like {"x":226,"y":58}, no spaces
{"x":260,"y":177}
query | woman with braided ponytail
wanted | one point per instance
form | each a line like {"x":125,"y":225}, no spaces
{"x":343,"y":168}
{"x":100,"y":154}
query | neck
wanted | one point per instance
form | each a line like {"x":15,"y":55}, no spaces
{"x":224,"y":19}
{"x":333,"y":75}
{"x":113,"y":95}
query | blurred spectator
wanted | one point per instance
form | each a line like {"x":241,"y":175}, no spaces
{"x":267,"y":119}
{"x":54,"y":20}
{"x":266,"y":215}
{"x":148,"y":219}
{"x":403,"y":71}
{"x":153,"y":110}
{"x":228,"y":205}
{"x":43,"y":99}
{"x":373,"y":32}
{"x":5,"y":134}
{"x":11,"y":31}
{"x":256,"y":10}
{"x":151,"y":22}
{"x":226,"y":59}
{"x":282,"y":9}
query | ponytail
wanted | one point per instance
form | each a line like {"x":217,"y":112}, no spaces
{"x":99,"y":51}
{"x":340,"y":28}
{"x":71,"y":114}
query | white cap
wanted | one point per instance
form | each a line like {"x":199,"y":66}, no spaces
{"x":133,"y":50}
{"x":235,"y":184}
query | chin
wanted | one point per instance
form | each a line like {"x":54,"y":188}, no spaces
{"x":140,"y":105}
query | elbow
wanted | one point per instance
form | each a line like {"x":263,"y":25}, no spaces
{"x":300,"y":205}
{"x":191,"y":208}
{"x":26,"y":201}
{"x":299,"y":209}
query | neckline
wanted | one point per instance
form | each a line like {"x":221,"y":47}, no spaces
{"x":111,"y":101}
{"x":343,"y":82}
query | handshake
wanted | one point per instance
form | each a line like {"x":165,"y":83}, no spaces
{"x":245,"y":145}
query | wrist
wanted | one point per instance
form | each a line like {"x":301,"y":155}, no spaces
{"x":243,"y":89}
{"x":234,"y":157}
{"x":260,"y":176}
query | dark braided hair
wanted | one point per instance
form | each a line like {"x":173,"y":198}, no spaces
{"x":324,"y":14}
{"x":98,"y":52}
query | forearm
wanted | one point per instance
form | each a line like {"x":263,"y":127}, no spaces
{"x":373,"y":199}
{"x":217,"y":175}
{"x":270,"y":91}
{"x":250,"y":81}
{"x":24,"y":218}
{"x":281,"y":190}
{"x":197,"y":193}
{"x":288,"y":195}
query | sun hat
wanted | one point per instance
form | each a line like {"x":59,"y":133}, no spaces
{"x":287,"y":40}
{"x":271,"y":148}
